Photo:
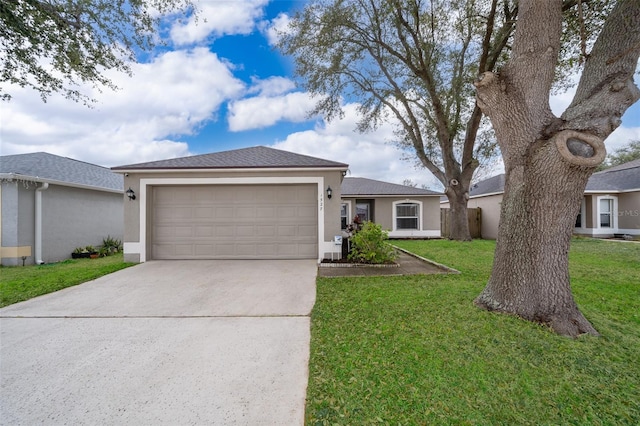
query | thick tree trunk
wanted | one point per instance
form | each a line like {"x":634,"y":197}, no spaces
{"x":548,"y":160}
{"x":458,"y":214}
{"x":530,"y":276}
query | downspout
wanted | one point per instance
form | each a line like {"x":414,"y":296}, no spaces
{"x":38,"y":224}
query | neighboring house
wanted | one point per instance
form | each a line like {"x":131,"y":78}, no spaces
{"x":487,"y":196}
{"x":610,"y":207}
{"x":404,"y":211}
{"x":251,"y":203}
{"x":51,"y":205}
{"x":611,"y":203}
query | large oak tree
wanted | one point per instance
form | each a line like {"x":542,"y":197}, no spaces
{"x":548,"y":159}
{"x":413,"y":61}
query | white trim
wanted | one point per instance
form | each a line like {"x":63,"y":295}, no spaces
{"x":394,"y":215}
{"x":629,"y":231}
{"x":13,"y":176}
{"x":614,"y":214}
{"x":349,"y":214}
{"x":233,"y":170}
{"x":595,"y":233}
{"x":141,"y":248}
{"x":434,"y":233}
{"x":373,"y":196}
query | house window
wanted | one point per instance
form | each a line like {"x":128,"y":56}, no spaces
{"x":407,"y":216}
{"x":606,"y":209}
{"x":344,"y":215}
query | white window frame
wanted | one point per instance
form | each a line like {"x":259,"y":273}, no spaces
{"x":413,"y":233}
{"x":349,"y":216}
{"x":613,"y":212}
{"x":396,"y":217}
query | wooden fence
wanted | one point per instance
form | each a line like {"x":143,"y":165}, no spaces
{"x":475,"y":222}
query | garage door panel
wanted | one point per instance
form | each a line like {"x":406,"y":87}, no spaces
{"x":265,"y":213}
{"x":234,"y":221}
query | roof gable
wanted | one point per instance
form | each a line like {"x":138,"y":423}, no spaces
{"x":246,"y":158}
{"x":48,"y":167}
{"x":362,"y":186}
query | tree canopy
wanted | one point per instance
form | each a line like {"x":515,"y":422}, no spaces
{"x":627,"y":153}
{"x":56,"y":45}
{"x":414,"y":62}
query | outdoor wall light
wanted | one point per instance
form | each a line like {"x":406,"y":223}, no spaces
{"x":131,"y":194}
{"x":329,"y":192}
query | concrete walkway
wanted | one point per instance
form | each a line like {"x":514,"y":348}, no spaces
{"x":182,"y":342}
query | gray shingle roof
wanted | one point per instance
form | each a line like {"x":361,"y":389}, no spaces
{"x":245,"y":158}
{"x":624,"y":177}
{"x":362,"y":186}
{"x":488,"y":186}
{"x":49,"y":167}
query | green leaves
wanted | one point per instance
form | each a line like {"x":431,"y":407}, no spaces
{"x":369,"y":245}
{"x":56,"y":46}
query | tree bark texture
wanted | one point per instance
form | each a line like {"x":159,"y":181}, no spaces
{"x":548,"y":160}
{"x":458,"y":194}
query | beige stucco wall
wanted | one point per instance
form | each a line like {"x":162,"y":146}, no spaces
{"x":629,"y":212}
{"x":330,"y":208}
{"x":383,"y":214}
{"x":490,"y":206}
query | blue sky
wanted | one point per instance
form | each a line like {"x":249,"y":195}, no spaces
{"x":219,"y":85}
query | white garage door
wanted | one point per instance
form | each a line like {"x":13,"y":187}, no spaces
{"x":234,"y":222}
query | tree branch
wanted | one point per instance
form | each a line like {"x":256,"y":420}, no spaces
{"x":606,"y":88}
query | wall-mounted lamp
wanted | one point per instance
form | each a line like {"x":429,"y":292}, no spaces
{"x":131,"y":194}
{"x":329,"y":192}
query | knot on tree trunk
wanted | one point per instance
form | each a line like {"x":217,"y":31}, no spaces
{"x":580,"y":149}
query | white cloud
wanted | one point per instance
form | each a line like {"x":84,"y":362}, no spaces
{"x":277,"y":26}
{"x":263,"y":111}
{"x":272,"y":86}
{"x":175,"y":94}
{"x":368,"y":155}
{"x":621,"y":137}
{"x":218,"y":18}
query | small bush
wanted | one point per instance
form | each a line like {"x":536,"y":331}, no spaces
{"x":369,"y":245}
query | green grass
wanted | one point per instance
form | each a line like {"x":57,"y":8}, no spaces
{"x":18,"y":283}
{"x":416,"y":351}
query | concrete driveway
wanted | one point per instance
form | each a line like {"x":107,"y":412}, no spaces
{"x":174,"y":342}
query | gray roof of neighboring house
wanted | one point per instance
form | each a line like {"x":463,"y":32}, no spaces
{"x":42,"y":166}
{"x":625,"y":177}
{"x":362,"y":186}
{"x":491,"y":185}
{"x":246,"y":158}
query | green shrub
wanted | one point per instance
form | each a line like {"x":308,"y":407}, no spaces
{"x":369,"y":245}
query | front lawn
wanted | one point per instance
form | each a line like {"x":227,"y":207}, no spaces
{"x":416,"y":351}
{"x":18,"y":283}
